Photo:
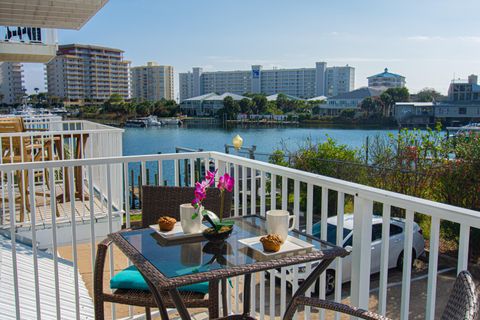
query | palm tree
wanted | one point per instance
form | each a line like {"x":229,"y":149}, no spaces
{"x":368,"y":105}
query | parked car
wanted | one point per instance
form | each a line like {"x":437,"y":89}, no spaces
{"x":396,"y":245}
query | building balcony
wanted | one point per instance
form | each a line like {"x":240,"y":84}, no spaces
{"x":108,"y":198}
{"x":21,"y":48}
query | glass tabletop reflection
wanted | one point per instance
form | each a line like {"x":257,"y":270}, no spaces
{"x":174,"y":259}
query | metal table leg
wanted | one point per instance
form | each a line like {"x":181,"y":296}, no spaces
{"x":308,"y":283}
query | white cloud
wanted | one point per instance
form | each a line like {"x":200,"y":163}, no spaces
{"x":470,"y":38}
{"x":421,"y":38}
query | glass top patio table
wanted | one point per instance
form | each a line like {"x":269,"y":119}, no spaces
{"x":176,"y":260}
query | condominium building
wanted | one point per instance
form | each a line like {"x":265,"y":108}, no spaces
{"x":386,"y":80}
{"x":300,"y":82}
{"x":11,"y":82}
{"x":152,"y":82}
{"x":464,"y":90}
{"x":88,"y":74}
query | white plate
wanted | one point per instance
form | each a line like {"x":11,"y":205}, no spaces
{"x":292,"y":244}
{"x":176,"y":232}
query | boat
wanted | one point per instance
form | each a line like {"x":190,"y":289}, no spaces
{"x":471,"y":127}
{"x":135,"y":123}
{"x":145,"y":122}
{"x":171,"y":121}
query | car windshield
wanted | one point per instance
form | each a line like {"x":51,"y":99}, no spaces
{"x":331,"y":232}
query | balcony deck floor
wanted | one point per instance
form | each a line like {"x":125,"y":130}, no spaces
{"x":43,"y":210}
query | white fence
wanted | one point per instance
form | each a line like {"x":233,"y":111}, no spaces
{"x":272,"y":187}
{"x":51,"y":140}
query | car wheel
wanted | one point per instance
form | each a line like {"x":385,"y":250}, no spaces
{"x":400,"y":260}
{"x":329,"y":283}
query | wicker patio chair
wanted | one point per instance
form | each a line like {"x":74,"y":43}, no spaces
{"x":158,"y":201}
{"x":463,"y":303}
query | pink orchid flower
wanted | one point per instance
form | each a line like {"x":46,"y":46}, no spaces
{"x":210,"y":177}
{"x":200,"y":191}
{"x":225,"y":183}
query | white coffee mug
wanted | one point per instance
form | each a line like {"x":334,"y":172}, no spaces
{"x":189,"y":225}
{"x":280,"y":222}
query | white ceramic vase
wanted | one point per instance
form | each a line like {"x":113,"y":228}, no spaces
{"x":190,"y":225}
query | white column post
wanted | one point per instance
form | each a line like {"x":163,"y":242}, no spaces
{"x":362,"y":239}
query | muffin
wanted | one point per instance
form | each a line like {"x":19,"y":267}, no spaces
{"x":271,"y":242}
{"x":166,"y":223}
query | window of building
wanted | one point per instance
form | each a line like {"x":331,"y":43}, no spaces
{"x":462,"y":110}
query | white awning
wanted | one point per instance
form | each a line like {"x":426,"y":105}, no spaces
{"x":55,"y":14}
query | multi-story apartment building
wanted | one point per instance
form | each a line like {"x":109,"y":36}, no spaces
{"x":464,"y":90}
{"x":88,"y":74}
{"x":386,"y":80}
{"x":11,"y":82}
{"x":338,"y":80}
{"x":301,"y":82}
{"x":152,"y":82}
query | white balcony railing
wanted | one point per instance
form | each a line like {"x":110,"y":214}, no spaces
{"x":47,"y":139}
{"x":271,"y":187}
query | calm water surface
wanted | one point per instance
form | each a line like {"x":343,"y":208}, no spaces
{"x":137,"y":141}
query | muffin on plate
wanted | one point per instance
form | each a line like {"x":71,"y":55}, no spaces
{"x":166,"y":223}
{"x":271,"y":242}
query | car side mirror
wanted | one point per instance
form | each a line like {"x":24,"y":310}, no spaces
{"x":349,"y":248}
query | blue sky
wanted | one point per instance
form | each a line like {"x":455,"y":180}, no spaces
{"x":427,"y":41}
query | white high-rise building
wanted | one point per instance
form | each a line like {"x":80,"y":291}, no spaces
{"x":152,"y":82}
{"x":11,"y":82}
{"x":302,"y":82}
{"x":87,"y":73}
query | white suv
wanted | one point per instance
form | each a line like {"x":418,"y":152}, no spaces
{"x":396,"y":245}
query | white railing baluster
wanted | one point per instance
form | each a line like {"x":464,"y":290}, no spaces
{"x":110,"y":229}
{"x":296,"y":203}
{"x":143,"y":172}
{"x":176,"y":173}
{"x":253,"y":290}
{"x":339,"y":261}
{"x":70,"y":171}
{"x":160,"y":172}
{"x":362,"y":239}
{"x":262,"y":194}
{"x":262,"y":295}
{"x":407,"y":264}
{"x":253,"y":191}
{"x":126,"y":190}
{"x":92,"y":219}
{"x":382,"y":294}
{"x":236,"y":192}
{"x":463,"y":248}
{"x":53,"y":210}
{"x":309,"y":223}
{"x":272,"y":294}
{"x":323,"y":236}
{"x":432,"y":268}
{"x":13,"y":218}
{"x":33,"y":220}
{"x":244,"y":190}
{"x":283,"y":271}
{"x":206,"y":165}
{"x":284,"y":193}
{"x":283,"y":290}
{"x":273,"y":192}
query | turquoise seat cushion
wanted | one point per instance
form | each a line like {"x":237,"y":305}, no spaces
{"x":130,"y":278}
